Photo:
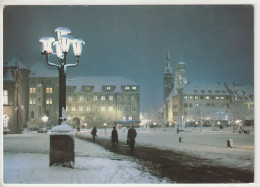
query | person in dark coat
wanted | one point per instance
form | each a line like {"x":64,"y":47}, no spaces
{"x":114,"y":137}
{"x":94,"y":133}
{"x":131,"y":135}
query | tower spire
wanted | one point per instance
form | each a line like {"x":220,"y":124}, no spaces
{"x":168,"y":68}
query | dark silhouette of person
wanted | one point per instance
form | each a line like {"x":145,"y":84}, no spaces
{"x":94,"y":133}
{"x":131,"y":135}
{"x":114,"y":137}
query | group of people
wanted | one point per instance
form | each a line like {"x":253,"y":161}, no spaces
{"x":131,"y":135}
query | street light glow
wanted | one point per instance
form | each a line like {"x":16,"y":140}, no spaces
{"x":77,"y":46}
{"x":46,"y":44}
{"x":61,"y":31}
{"x":65,"y":41}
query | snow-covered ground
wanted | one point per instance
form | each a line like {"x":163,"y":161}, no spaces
{"x":204,"y":143}
{"x":26,"y":156}
{"x":26,"y":160}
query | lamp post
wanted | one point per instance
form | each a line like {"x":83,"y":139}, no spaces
{"x":105,"y":125}
{"x":62,"y":145}
{"x":44,"y":120}
{"x":62,"y":46}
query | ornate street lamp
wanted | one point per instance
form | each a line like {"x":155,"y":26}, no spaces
{"x":61,"y":141}
{"x":62,"y":46}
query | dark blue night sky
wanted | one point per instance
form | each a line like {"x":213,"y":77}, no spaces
{"x":216,"y":42}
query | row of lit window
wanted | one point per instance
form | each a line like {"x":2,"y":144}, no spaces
{"x":33,"y":90}
{"x":102,"y":108}
{"x":205,"y":97}
{"x":133,"y":87}
{"x":33,"y":101}
{"x":102,"y":98}
{"x":124,"y":118}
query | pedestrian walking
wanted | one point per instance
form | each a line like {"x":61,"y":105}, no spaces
{"x":131,"y":135}
{"x":114,"y":137}
{"x":94,"y":133}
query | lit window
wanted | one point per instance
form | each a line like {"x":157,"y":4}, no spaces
{"x":32,"y":101}
{"x":69,"y":118}
{"x":5,"y":97}
{"x":207,"y":97}
{"x":73,"y":108}
{"x":130,"y":118}
{"x":185,"y":97}
{"x":127,"y":87}
{"x":111,"y":98}
{"x":217,"y":97}
{"x":191,"y":97}
{"x":48,"y":101}
{"x":95,"y":97}
{"x":103,"y":98}
{"x":103,"y":108}
{"x":222,"y":97}
{"x":88,"y":108}
{"x":70,"y":98}
{"x":134,"y":87}
{"x":108,"y":88}
{"x":133,"y":98}
{"x":80,"y":108}
{"x":32,"y":90}
{"x":48,"y":90}
{"x":110,"y":108}
{"x":82,"y":118}
{"x":196,"y":97}
{"x":81,"y":98}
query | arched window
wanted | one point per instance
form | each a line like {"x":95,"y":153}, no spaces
{"x":32,"y":114}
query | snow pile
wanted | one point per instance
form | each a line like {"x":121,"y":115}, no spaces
{"x":26,"y":161}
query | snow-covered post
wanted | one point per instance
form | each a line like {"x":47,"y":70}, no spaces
{"x":62,"y":144}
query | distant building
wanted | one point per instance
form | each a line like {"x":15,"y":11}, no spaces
{"x":43,"y":95}
{"x":90,"y":100}
{"x":98,"y":100}
{"x":200,"y":102}
{"x":13,"y":108}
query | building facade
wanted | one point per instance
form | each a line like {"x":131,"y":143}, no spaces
{"x":13,"y":110}
{"x":201,"y":102}
{"x":95,"y":101}
{"x":90,"y":101}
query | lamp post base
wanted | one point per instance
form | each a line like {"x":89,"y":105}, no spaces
{"x":62,"y":146}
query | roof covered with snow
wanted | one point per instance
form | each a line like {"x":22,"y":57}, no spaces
{"x":240,"y":91}
{"x":100,"y":81}
{"x":8,"y":76}
{"x":15,"y":62}
{"x":41,"y":69}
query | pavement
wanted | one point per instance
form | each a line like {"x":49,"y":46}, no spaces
{"x":177,"y":167}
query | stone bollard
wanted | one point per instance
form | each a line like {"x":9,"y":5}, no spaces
{"x":62,"y":146}
{"x":230,"y":143}
{"x":181,"y":139}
